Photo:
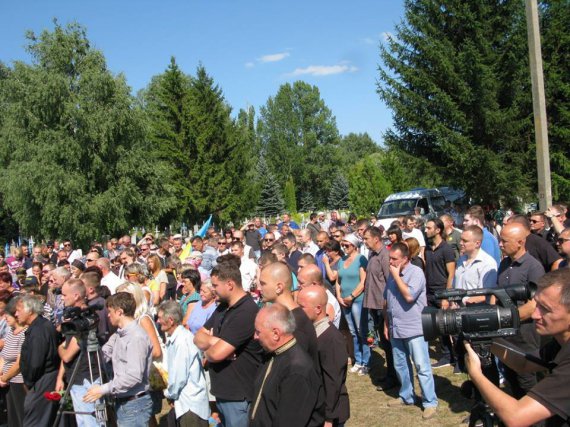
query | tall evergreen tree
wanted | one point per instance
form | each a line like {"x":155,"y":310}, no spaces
{"x":289,"y":196}
{"x":270,"y":197}
{"x":166,"y":103}
{"x":307,"y":204}
{"x":216,"y":156}
{"x":456,"y":77}
{"x":368,"y":186}
{"x":338,"y":194}
{"x":73,"y":156}
{"x":556,"y":54}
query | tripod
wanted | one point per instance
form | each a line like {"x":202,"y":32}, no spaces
{"x":88,"y":345}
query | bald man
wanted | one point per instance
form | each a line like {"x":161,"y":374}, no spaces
{"x":333,"y":357}
{"x":110,"y":279}
{"x":311,"y":276}
{"x":275,"y":285}
{"x":519,"y":267}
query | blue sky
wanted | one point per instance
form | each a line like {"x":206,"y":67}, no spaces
{"x":249,"y":47}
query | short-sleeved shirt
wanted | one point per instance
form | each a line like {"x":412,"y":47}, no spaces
{"x":233,"y":379}
{"x":520,"y":271}
{"x":479,"y":273}
{"x":436,"y":266}
{"x":491,"y":245}
{"x":453,"y":240}
{"x":404,"y":318}
{"x":349,"y":277}
{"x":552,"y":391}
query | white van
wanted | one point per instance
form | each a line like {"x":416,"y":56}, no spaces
{"x":430,"y":202}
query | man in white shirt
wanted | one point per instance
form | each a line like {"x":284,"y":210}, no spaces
{"x":475,"y":268}
{"x":110,"y":279}
{"x":410,"y":230}
{"x":186,"y":381}
{"x":309,"y":247}
{"x":247,"y":268}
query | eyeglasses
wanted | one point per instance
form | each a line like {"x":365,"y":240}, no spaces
{"x":236,"y":239}
{"x":346,"y":245}
{"x":337,"y":236}
{"x":67,"y":244}
{"x":221,"y":243}
{"x":534,"y":221}
{"x":561,"y":240}
{"x":268,"y":240}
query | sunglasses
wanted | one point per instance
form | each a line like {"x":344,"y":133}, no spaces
{"x":534,"y":221}
{"x":347,"y":245}
{"x":221,"y":243}
{"x":337,"y":235}
{"x":45,"y":271}
{"x":268,"y":240}
{"x":67,"y":244}
{"x":89,"y":260}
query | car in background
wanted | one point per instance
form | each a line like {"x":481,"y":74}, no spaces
{"x":430,"y":203}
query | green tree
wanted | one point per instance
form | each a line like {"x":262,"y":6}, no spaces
{"x":270,"y":197}
{"x":404,"y":171}
{"x":556,"y":55}
{"x":299,"y":138}
{"x":338,"y":194}
{"x":368,"y":186}
{"x":354,"y":147}
{"x":73,"y":156}
{"x":289,"y":196}
{"x":216,"y":155}
{"x":166,"y":103}
{"x":307,"y":203}
{"x":456,"y":77}
{"x":249,"y":188}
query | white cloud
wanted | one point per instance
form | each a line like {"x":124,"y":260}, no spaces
{"x":249,"y":65}
{"x":275,"y":57}
{"x":324,"y":70}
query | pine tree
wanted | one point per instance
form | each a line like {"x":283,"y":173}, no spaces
{"x":338,"y":194}
{"x":289,"y":196}
{"x":456,"y":77}
{"x":270,"y":198}
{"x":307,"y":204}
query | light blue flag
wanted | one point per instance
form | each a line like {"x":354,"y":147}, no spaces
{"x":204,"y":229}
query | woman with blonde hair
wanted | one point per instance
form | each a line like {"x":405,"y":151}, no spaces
{"x":159,"y":280}
{"x":414,"y":247}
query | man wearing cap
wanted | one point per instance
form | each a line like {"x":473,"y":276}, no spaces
{"x":323,"y":221}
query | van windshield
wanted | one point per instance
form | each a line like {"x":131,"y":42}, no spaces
{"x":397,"y":208}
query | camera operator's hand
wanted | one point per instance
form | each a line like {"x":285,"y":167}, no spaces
{"x":93,"y":394}
{"x":444,"y":304}
{"x":472,"y":361}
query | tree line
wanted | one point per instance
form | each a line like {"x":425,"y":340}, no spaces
{"x":82,"y":157}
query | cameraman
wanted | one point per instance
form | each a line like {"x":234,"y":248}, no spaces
{"x":73,"y":293}
{"x":550,"y":398}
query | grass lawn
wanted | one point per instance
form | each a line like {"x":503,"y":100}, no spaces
{"x":369,"y":408}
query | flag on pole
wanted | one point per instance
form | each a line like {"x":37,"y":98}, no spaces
{"x":202,"y":232}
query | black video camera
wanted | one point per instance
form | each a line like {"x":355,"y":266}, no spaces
{"x":78,"y":320}
{"x":477,"y":323}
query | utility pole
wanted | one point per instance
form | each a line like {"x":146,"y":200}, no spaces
{"x":538,"y":106}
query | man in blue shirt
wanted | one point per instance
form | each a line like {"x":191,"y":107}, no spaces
{"x":405,"y":298}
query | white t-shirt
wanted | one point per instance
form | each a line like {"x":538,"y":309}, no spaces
{"x":248,"y":270}
{"x":417,"y":234}
{"x":336,"y":306}
{"x":112,"y":281}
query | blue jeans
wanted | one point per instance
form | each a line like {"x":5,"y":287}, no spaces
{"x":357,"y":319}
{"x":134,"y":413}
{"x":416,"y":349}
{"x":234,"y":412}
{"x":77,"y":391}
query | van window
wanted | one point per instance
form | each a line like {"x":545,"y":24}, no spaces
{"x":395,"y":208}
{"x":438,"y":203}
{"x":423,"y":204}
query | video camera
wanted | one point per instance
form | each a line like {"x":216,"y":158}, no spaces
{"x":78,"y":320}
{"x":477,"y":323}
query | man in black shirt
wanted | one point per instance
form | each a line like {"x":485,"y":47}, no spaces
{"x":227,"y":342}
{"x":275,"y":286}
{"x":38,"y":362}
{"x":288,"y":391}
{"x":549,"y":399}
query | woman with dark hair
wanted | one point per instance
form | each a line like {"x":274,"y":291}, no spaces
{"x":191,"y":282}
{"x":395,"y":235}
{"x":10,"y":360}
{"x":333,"y":254}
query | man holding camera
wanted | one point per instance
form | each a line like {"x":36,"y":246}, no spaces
{"x":550,"y":398}
{"x":74,"y":296}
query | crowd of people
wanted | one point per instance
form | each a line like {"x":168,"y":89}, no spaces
{"x":260,"y":325}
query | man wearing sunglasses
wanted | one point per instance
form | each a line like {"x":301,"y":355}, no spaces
{"x":563,"y":243}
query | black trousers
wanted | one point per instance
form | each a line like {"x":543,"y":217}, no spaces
{"x":378,"y":320}
{"x":38,"y":411}
{"x":15,"y":404}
